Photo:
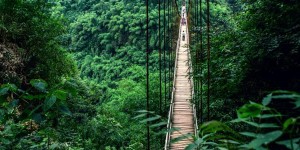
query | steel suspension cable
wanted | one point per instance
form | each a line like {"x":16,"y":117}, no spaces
{"x":208,"y":58}
{"x":160,"y":67}
{"x":165,"y":71}
{"x":198,"y":61}
{"x":169,"y":47}
{"x":196,"y":51}
{"x":147,"y":72}
{"x":201,"y":58}
{"x":160,"y":64}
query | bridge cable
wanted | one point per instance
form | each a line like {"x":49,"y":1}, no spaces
{"x":208,"y":59}
{"x":169,"y":46}
{"x":201,"y":58}
{"x":160,"y":66}
{"x":165,"y":73}
{"x":147,"y":72}
{"x":197,"y":54}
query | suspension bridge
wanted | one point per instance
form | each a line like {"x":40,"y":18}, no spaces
{"x":181,"y":113}
{"x":186,"y":105}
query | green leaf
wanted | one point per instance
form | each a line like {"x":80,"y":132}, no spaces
{"x":158,"y":124}
{"x":54,"y":146}
{"x":289,"y":122}
{"x":263,"y":139}
{"x":195,"y":144}
{"x":262,"y":125}
{"x":250,"y":134}
{"x":5,"y":141}
{"x":139,"y":116}
{"x":65,"y":110}
{"x":8,"y":87}
{"x":286,"y":96}
{"x":150,"y":119}
{"x":249,"y":110}
{"x":291,"y":143}
{"x":266,"y":100}
{"x":3,"y":91}
{"x":39,"y":84}
{"x":145,"y":111}
{"x":14,"y":103}
{"x":28,"y":97}
{"x":297,"y":103}
{"x":265,"y":116}
{"x":214,"y":126}
{"x":49,"y":102}
{"x":237,"y":120}
{"x":62,"y":95}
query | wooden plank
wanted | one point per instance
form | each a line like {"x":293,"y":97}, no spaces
{"x":182,"y":111}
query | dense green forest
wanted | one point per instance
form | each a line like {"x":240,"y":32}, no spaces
{"x":73,"y":73}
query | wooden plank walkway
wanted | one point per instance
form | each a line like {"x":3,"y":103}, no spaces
{"x":182,"y":109}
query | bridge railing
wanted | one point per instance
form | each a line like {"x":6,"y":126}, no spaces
{"x":192,"y":82}
{"x":171,"y":109}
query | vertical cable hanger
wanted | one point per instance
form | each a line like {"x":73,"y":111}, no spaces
{"x":165,"y":65}
{"x":208,"y":59}
{"x":147,"y":72}
{"x":160,"y":67}
{"x":171,"y":60}
{"x":169,"y":46}
{"x":197,"y":58}
{"x":201,"y":58}
{"x":197,"y":55}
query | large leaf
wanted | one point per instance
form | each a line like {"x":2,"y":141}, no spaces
{"x":289,"y":122}
{"x":158,"y":124}
{"x":139,"y":116}
{"x":262,"y":125}
{"x":65,"y":110}
{"x":150,"y":119}
{"x":3,"y":90}
{"x":291,"y":143}
{"x":263,"y":139}
{"x":266,"y":100}
{"x":249,"y":134}
{"x":49,"y":102}
{"x":60,"y":94}
{"x":39,"y":84}
{"x":265,"y":116}
{"x":145,"y":111}
{"x":215,"y":126}
{"x":297,"y":103}
{"x":195,"y":144}
{"x":249,"y":110}
{"x":14,"y":103}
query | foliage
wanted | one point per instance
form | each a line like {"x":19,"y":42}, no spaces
{"x":254,"y":50}
{"x":29,"y":114}
{"x":269,"y":128}
{"x":29,"y":35}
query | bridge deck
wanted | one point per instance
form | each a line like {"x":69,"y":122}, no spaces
{"x":182,"y":118}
